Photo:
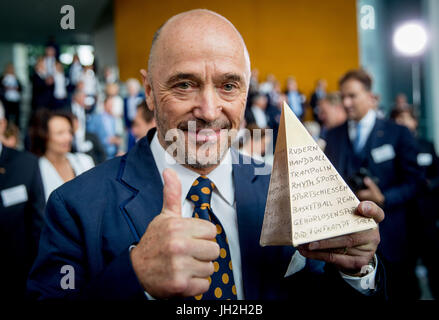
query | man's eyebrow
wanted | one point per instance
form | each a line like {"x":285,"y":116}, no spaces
{"x":231,"y":77}
{"x":182,"y":76}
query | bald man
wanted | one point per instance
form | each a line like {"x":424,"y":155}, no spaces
{"x":180,"y":214}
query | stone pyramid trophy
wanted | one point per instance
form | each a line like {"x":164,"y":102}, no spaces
{"x":307,"y":198}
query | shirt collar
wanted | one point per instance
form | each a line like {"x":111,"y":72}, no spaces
{"x":221,"y":176}
{"x":367,"y":121}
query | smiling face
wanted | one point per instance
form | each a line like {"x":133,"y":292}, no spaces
{"x":198,"y":76}
{"x":60,"y":135}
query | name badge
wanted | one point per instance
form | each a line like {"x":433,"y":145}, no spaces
{"x":383,"y":153}
{"x":14,"y":195}
{"x":425,"y":159}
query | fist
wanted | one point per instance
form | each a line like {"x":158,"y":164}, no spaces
{"x":174,"y":256}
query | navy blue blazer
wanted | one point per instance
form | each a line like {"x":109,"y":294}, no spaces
{"x":399,"y":176}
{"x":94,"y":219}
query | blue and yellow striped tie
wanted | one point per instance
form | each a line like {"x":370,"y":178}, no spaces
{"x":222,"y":284}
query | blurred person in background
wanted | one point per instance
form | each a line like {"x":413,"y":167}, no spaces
{"x":331,"y":112}
{"x":10,"y":94}
{"x":110,"y":75}
{"x":296,"y":100}
{"x":50,"y":60}
{"x":274,"y":112}
{"x":254,"y":82}
{"x":60,"y":87}
{"x":112,"y":91}
{"x":11,"y":136}
{"x":268,"y":85}
{"x":88,"y":143}
{"x":74,"y":73}
{"x":255,"y":143}
{"x":21,"y":216}
{"x":51,"y":140}
{"x":424,"y":222}
{"x":78,"y":108}
{"x":377,"y":158}
{"x":274,"y":95}
{"x":318,"y":94}
{"x":401,"y":102}
{"x":89,"y":84}
{"x":131,"y":102}
{"x":42,"y":86}
{"x":104,"y":126}
{"x":257,"y":114}
{"x":143,"y":122}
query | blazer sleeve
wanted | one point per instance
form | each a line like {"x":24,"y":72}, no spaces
{"x":62,"y":244}
{"x":36,"y":209}
{"x":411,"y":175}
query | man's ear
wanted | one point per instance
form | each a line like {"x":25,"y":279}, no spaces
{"x":148,"y":90}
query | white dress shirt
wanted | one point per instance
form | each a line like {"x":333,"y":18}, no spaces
{"x":222,"y":201}
{"x":366,"y":125}
{"x":51,"y":179}
{"x":224,"y":206}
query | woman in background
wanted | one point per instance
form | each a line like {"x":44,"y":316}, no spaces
{"x":51,"y":137}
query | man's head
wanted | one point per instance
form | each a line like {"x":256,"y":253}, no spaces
{"x":143,"y":121}
{"x":405,"y":117}
{"x":133,"y":87}
{"x":291,"y":84}
{"x":50,"y":51}
{"x":198,"y":72}
{"x":79,"y":97}
{"x":356,"y":92}
{"x":321,"y":84}
{"x":108,"y":105}
{"x":260,"y":100}
{"x":331,"y":111}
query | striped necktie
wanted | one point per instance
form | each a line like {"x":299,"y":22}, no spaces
{"x":222,"y":284}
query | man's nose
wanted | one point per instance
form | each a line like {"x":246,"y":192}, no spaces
{"x":208,"y":105}
{"x":346,"y":102}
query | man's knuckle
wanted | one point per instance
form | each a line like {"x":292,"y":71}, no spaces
{"x":174,"y":225}
{"x":176,"y":246}
{"x":178,"y":285}
{"x":350,"y":241}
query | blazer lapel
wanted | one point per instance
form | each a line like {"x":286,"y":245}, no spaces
{"x":248,"y":208}
{"x":139,"y":174}
{"x":375,"y":136}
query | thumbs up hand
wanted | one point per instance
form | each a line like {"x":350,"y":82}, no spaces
{"x":174,"y":256}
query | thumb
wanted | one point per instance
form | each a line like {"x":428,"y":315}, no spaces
{"x":171,"y":193}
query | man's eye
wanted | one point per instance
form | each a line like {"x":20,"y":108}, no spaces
{"x":229,"y":87}
{"x":183,"y":85}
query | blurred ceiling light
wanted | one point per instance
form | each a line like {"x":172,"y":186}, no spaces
{"x":85,"y":55}
{"x":410,"y":39}
{"x":66,"y":58}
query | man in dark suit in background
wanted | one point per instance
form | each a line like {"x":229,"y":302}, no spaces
{"x":378,"y":158}
{"x":424,"y":225}
{"x":21,"y":216}
{"x":126,"y":233}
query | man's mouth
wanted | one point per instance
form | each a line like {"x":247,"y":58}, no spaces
{"x":204,"y":135}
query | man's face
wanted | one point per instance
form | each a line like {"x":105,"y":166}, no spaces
{"x":405,"y":119}
{"x":201,"y":79}
{"x":356,"y":99}
{"x":140,"y":127}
